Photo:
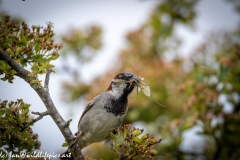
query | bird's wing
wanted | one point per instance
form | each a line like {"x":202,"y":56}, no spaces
{"x":89,"y":105}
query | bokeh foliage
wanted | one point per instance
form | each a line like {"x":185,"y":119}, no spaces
{"x":80,"y":47}
{"x":199,"y":91}
{"x":16,"y":134}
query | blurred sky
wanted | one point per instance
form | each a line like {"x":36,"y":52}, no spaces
{"x":116,"y":18}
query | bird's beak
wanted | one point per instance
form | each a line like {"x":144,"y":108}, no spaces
{"x":133,"y":80}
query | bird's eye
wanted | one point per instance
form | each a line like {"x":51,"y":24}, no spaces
{"x":114,"y":83}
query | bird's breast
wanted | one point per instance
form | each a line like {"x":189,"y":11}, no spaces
{"x":98,"y":128}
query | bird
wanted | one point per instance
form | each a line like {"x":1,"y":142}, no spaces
{"x":105,"y":112}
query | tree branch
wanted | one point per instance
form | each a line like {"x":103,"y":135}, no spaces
{"x":41,"y":115}
{"x":66,"y":123}
{"x":45,"y":97}
{"x":47,"y":79}
{"x":27,"y":124}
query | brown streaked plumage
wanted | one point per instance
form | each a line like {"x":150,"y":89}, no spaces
{"x":106,"y":111}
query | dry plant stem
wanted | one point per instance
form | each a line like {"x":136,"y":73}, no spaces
{"x":44,"y":95}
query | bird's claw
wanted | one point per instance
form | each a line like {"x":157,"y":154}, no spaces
{"x":120,"y":155}
{"x":74,"y":141}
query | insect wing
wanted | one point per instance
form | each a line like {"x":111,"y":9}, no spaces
{"x":138,"y":89}
{"x":145,"y":89}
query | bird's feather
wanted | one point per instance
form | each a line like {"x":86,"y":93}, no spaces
{"x":89,"y":106}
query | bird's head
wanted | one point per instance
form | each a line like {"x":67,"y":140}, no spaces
{"x":122,"y":84}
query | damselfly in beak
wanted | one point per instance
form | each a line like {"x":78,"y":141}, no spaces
{"x":146,"y":89}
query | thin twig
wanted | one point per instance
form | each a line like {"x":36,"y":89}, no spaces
{"x":49,"y":70}
{"x":27,"y":124}
{"x":155,"y":142}
{"x":41,"y":115}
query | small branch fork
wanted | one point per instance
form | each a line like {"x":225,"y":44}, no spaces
{"x":66,"y":123}
{"x":47,"y":100}
{"x":41,"y":115}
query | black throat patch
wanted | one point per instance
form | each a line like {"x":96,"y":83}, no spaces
{"x":119,"y":106}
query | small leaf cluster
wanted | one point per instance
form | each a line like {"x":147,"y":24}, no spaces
{"x":32,"y":46}
{"x":15,"y":131}
{"x":132,"y":145}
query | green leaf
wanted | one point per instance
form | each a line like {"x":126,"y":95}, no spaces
{"x":53,"y":57}
{"x":40,"y":59}
{"x":25,"y":112}
{"x":65,"y":144}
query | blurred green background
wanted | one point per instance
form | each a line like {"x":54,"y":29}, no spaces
{"x":201,"y":92}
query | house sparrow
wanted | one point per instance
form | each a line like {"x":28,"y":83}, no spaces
{"x":106,"y":111}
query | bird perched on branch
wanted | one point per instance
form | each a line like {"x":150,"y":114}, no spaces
{"x":105,"y":112}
